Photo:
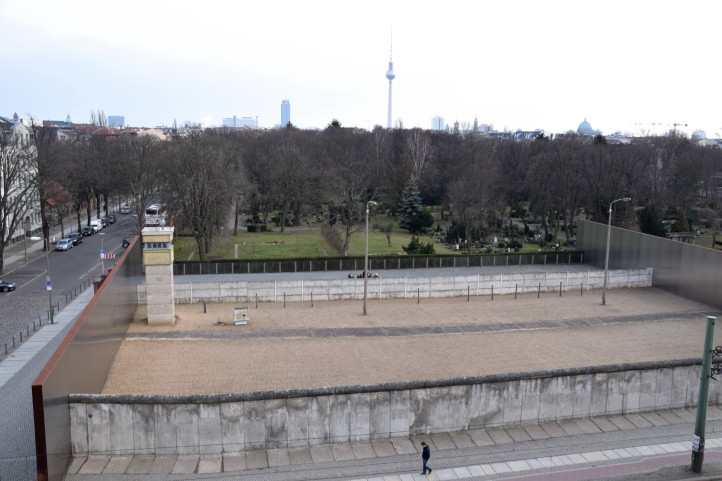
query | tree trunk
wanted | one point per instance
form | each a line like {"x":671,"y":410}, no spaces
{"x":88,"y":208}
{"x":62,"y":227}
{"x":77,"y":213}
{"x":346,"y":239}
{"x":283,"y":216}
{"x":44,"y":221}
{"x":105,"y":203}
{"x":2,"y":257}
{"x":201,"y":250}
{"x":236,"y":215}
{"x":97,"y":205}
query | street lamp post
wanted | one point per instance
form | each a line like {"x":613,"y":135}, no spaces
{"x":49,"y":287}
{"x":102,"y":253}
{"x":26,"y":228}
{"x":366,"y":253}
{"x":609,"y":237}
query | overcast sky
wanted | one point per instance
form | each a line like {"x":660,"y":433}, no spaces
{"x":513,"y":64}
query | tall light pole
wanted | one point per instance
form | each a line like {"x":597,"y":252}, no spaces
{"x":609,"y":237}
{"x":701,"y":419}
{"x":102,"y":253}
{"x":366,"y":253}
{"x":26,"y":228}
{"x":49,"y":286}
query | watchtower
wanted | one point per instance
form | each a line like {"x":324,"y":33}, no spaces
{"x":159,"y":283}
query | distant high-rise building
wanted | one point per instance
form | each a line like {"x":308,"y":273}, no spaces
{"x":437,"y":123}
{"x":116,"y":121}
{"x":285,"y":113}
{"x":241,"y":122}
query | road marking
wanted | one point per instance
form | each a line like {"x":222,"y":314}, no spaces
{"x":31,"y":280}
{"x":98,"y":264}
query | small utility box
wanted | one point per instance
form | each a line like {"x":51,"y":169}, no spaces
{"x":240,"y":316}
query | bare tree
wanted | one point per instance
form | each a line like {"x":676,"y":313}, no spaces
{"x":419,"y":148}
{"x":199,"y":188}
{"x":17,"y":190}
{"x":349,"y":153}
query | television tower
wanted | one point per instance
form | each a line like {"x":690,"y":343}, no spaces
{"x":390,"y":75}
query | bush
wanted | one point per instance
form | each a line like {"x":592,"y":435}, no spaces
{"x":515,"y":244}
{"x":650,"y":223}
{"x":256,"y":228}
{"x":415,"y":246}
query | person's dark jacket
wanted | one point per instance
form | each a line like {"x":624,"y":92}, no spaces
{"x":426,"y":452}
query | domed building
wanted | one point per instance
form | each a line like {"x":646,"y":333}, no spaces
{"x":585,"y":129}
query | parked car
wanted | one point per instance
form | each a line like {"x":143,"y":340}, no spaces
{"x":108,"y":219}
{"x":76,"y":237}
{"x":7,"y":286}
{"x":87,"y":231}
{"x":96,"y":225}
{"x":360,"y":275}
{"x":64,"y":245}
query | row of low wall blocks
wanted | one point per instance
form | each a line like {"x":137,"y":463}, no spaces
{"x":468,"y":294}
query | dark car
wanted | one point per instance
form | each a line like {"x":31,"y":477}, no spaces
{"x":107,"y":220}
{"x":7,"y":286}
{"x":361,"y":275}
{"x":76,"y":237}
{"x":87,"y":231}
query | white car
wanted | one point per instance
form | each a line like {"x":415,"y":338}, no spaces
{"x":96,"y":225}
{"x":64,"y":245}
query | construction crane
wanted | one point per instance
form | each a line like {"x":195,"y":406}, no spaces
{"x":644,"y":127}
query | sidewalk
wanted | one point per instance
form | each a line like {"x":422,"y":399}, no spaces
{"x":596,"y":448}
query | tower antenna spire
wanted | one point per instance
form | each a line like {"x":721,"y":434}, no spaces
{"x":391,"y":44}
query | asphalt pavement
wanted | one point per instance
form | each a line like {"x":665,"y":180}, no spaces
{"x":67,"y":271}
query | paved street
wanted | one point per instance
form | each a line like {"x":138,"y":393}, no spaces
{"x":593,"y":448}
{"x":68,"y":270}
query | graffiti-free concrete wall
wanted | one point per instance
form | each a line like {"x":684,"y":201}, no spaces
{"x":379,"y":288}
{"x":114,"y":424}
{"x":687,"y":270}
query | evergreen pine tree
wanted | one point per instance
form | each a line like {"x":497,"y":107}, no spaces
{"x":412,"y":214}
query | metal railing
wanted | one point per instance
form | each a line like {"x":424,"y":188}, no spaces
{"x":321,"y":264}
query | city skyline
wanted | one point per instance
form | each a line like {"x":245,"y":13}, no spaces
{"x":484,"y":67}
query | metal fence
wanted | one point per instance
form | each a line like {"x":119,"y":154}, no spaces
{"x":691,"y":271}
{"x":376,"y":263}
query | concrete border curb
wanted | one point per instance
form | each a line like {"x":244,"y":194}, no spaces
{"x":358,"y":389}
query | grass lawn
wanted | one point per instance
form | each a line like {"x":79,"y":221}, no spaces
{"x":705,"y":240}
{"x":261,"y":245}
{"x":379,"y":246}
{"x":294,"y":243}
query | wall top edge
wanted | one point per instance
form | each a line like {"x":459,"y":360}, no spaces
{"x":362,"y":389}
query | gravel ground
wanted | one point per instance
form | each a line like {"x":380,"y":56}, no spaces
{"x":205,"y":367}
{"x":189,"y":366}
{"x":437,"y":311}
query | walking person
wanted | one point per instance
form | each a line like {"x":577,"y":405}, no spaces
{"x":425,"y":455}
